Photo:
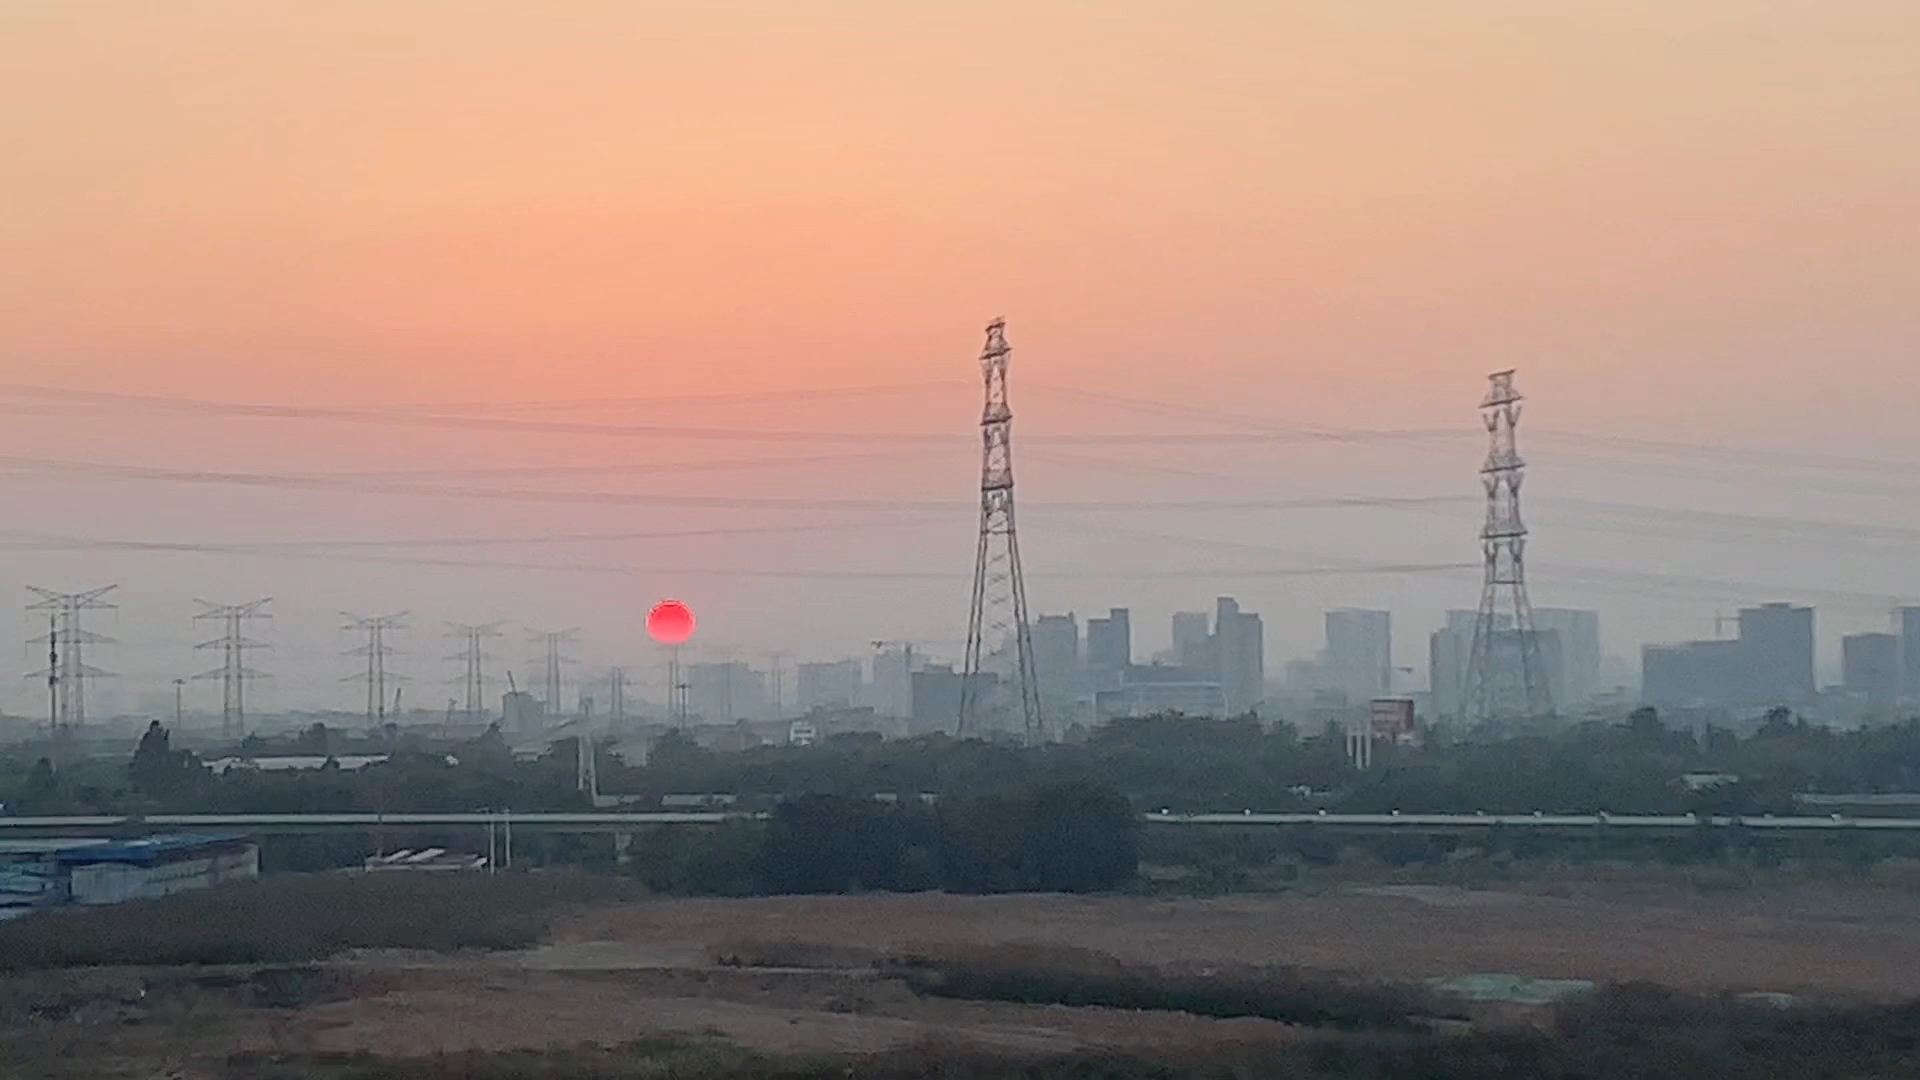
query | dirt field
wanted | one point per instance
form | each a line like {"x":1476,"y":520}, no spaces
{"x":619,"y":973}
{"x":1864,"y":944}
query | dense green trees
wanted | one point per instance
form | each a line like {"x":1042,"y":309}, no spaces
{"x":1179,"y":763}
{"x":1053,"y":838}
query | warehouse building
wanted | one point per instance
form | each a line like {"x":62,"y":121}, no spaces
{"x":91,"y":871}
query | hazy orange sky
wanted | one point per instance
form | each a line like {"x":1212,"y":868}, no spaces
{"x":1686,"y":219}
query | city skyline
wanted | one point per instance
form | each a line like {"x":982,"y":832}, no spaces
{"x":725,"y":679}
{"x":607,"y":309}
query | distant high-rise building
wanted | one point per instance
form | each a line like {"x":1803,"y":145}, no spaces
{"x":936,"y":698}
{"x":893,"y":670}
{"x":1056,"y":660}
{"x":1579,"y":678}
{"x":1239,"y":648}
{"x":1693,"y":674}
{"x":1192,"y":639}
{"x":1110,"y":641}
{"x":1779,"y":648}
{"x":834,"y":684}
{"x":1359,"y":657}
{"x":1909,"y":620}
{"x":1870,"y":666}
{"x":1770,"y":663}
{"x":1448,"y":652}
{"x":725,"y":691}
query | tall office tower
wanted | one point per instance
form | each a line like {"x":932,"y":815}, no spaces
{"x":1448,"y":652}
{"x":1909,"y":622}
{"x":1578,"y":676}
{"x":1239,"y":646}
{"x":1359,"y":658}
{"x":725,"y":691}
{"x":893,"y":669}
{"x":1056,"y":661}
{"x":831,"y":685}
{"x":1870,"y":667}
{"x":1110,"y":642}
{"x":1777,"y":642}
{"x":1192,"y":640}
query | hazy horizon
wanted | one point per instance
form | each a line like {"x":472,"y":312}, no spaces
{"x":1686,"y":224}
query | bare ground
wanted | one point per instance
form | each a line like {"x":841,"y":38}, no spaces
{"x":623,"y":972}
{"x":1839,"y":943}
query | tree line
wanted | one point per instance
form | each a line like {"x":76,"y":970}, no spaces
{"x":1172,"y":762}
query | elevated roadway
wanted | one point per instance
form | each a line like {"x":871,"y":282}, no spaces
{"x":627,"y":822}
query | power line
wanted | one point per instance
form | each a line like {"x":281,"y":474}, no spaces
{"x":726,"y":397}
{"x":1257,"y":428}
{"x":621,"y":468}
{"x":723,"y":502}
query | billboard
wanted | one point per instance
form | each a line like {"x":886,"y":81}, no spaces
{"x":1393,"y":719}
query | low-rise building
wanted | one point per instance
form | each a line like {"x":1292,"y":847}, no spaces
{"x":96,"y":870}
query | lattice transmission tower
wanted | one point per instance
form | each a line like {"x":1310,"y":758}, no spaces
{"x":555,"y":662}
{"x":376,"y":651}
{"x":1506,"y":679}
{"x":67,"y":671}
{"x":617,"y":694}
{"x":998,"y":616}
{"x":233,"y":645}
{"x":472,"y":659}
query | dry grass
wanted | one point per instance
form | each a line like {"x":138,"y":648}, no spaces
{"x":295,"y":918}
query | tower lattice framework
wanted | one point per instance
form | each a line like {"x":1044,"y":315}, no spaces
{"x":233,"y":645}
{"x":472,"y":659}
{"x":1506,"y":679}
{"x":67,"y":671}
{"x":999,"y":608}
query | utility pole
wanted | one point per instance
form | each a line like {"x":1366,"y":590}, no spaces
{"x":676,"y":688}
{"x":1505,"y":684}
{"x":67,"y":670}
{"x":472,"y":658}
{"x":999,"y":607}
{"x":53,"y":691}
{"x":376,"y":651}
{"x":233,"y":671}
{"x":555,"y":662}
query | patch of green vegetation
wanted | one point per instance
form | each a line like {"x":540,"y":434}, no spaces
{"x":298,"y":917}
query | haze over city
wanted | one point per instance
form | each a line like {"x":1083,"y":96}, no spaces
{"x":1271,"y":539}
{"x":1252,"y":263}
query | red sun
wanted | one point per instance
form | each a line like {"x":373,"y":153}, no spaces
{"x":670,"y":622}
